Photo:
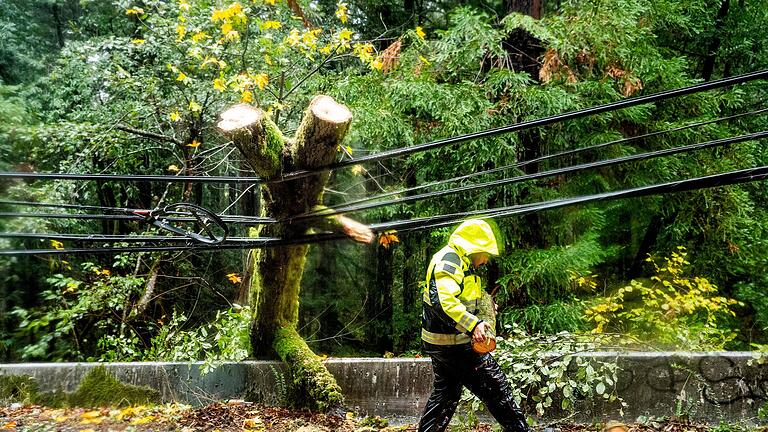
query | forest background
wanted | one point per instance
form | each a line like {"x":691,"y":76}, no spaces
{"x":136,"y":87}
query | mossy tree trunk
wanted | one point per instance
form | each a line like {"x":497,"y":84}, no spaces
{"x":275,"y":274}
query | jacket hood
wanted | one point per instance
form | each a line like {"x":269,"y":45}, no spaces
{"x":473,"y":236}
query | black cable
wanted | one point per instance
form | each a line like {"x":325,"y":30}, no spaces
{"x":539,"y":159}
{"x":94,"y":237}
{"x":543,"y":174}
{"x":233,"y":219}
{"x":347,"y":207}
{"x":132,"y":177}
{"x":403,"y":151}
{"x":716,"y":180}
{"x":250,"y":220}
{"x":626,"y":103}
{"x":68,"y":206}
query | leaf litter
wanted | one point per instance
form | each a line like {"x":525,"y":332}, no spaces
{"x":242,"y":416}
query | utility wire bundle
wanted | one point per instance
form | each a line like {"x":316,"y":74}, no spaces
{"x":213,"y":228}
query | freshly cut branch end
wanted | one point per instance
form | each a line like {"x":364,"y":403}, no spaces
{"x":328,"y":110}
{"x":238,"y":117}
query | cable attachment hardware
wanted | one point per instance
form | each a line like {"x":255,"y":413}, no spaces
{"x":192,"y":221}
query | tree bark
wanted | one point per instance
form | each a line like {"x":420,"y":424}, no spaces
{"x":714,"y":44}
{"x":275,"y":273}
{"x":525,"y":7}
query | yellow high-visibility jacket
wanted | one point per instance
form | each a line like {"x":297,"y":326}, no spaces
{"x":452,"y":292}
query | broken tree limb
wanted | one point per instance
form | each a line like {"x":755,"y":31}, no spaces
{"x":274,"y":274}
{"x":256,"y":136}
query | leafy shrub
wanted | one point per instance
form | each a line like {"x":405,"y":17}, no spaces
{"x":671,"y":308}
{"x":545,"y":369}
{"x":548,"y":318}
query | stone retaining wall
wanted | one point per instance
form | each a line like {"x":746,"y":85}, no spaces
{"x":718,"y":386}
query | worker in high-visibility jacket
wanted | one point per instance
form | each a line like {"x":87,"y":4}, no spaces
{"x":450,"y":324}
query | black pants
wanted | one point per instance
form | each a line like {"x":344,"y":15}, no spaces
{"x":456,"y":366}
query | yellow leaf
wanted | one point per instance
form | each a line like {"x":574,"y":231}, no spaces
{"x":175,"y":116}
{"x":173,"y":168}
{"x":87,"y":430}
{"x":182,"y":77}
{"x":57,"y":244}
{"x":219,"y":84}
{"x":60,"y":419}
{"x":345,"y":34}
{"x":226,"y":28}
{"x":267,"y":25}
{"x":138,"y":41}
{"x":91,"y":414}
{"x":198,"y":36}
{"x":358,"y":169}
{"x":234,"y":278}
{"x":143,"y":420}
{"x":194,"y":144}
{"x":252,"y":422}
{"x":183,"y":5}
{"x":261,"y":80}
{"x":420,"y":32}
{"x":349,"y":150}
{"x":270,"y":2}
{"x":181,"y":31}
{"x":377,"y":64}
{"x":134,"y":11}
{"x":341,"y":12}
{"x":194,"y":106}
{"x":293,"y":38}
{"x":246,"y":97}
{"x":106,"y":272}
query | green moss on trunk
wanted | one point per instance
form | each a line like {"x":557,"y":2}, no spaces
{"x":312,"y":384}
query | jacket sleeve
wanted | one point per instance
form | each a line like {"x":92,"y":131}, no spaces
{"x":448,"y":290}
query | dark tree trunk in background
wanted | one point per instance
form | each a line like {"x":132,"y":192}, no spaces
{"x":56,"y":10}
{"x":525,"y":7}
{"x":414,"y":261}
{"x":379,"y":305}
{"x":708,"y":67}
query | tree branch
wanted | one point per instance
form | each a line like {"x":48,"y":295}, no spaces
{"x":147,"y":134}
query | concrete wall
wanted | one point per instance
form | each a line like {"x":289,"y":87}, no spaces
{"x":706,"y":386}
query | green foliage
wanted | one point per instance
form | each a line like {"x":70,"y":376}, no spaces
{"x":545,"y":275}
{"x":671,"y":309}
{"x":545,"y":369}
{"x":549,"y":318}
{"x":227,"y":338}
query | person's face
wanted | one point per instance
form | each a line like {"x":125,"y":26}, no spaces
{"x":479,"y":259}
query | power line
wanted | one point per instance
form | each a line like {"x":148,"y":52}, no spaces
{"x":544,"y":174}
{"x":538,"y":159}
{"x":233,"y":219}
{"x":716,"y":180}
{"x":251,"y":220}
{"x":351,"y":205}
{"x":403,"y":151}
{"x":626,"y":103}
